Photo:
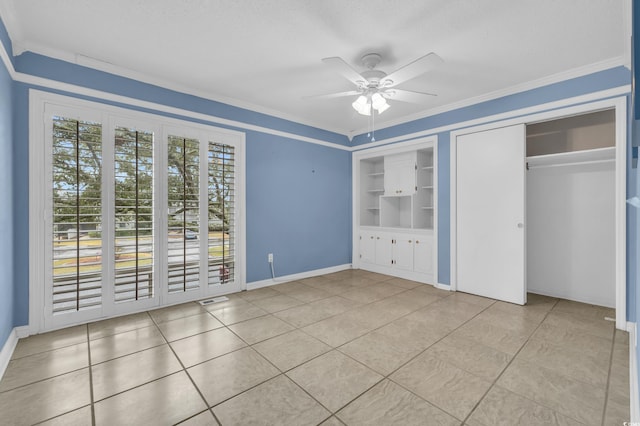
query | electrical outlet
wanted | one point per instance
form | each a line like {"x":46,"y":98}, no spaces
{"x":270,"y":257}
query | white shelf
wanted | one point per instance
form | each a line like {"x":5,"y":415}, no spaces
{"x":373,"y":208}
{"x":427,"y":208}
{"x":375,"y":190}
{"x":376,"y":174}
{"x":426,"y":168}
{"x":574,"y":157}
{"x":427,"y":187}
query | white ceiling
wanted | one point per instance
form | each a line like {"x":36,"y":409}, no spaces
{"x":266,"y":54}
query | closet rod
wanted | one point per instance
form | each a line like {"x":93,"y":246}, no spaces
{"x":577,"y":163}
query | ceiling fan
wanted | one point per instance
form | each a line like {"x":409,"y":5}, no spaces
{"x":374,"y":87}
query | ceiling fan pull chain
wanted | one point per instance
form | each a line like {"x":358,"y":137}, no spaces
{"x":373,"y":125}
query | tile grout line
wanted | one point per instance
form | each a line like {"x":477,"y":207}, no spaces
{"x":93,"y":411}
{"x":372,"y":330}
{"x":330,"y":348}
{"x":495,"y":381}
{"x":388,"y":377}
{"x":284,"y":373}
{"x":184,"y":369}
{"x":510,"y":362}
{"x":606,"y":389}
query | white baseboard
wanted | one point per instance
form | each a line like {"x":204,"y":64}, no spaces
{"x":7,"y":350}
{"x":634,"y":396}
{"x":567,"y":296}
{"x":442,"y":286}
{"x":293,"y":277}
{"x":23,"y":331}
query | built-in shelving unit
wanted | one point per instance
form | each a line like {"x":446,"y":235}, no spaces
{"x":397,"y":193}
{"x":372,"y":181}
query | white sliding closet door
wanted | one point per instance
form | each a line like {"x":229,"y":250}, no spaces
{"x":490,"y":213}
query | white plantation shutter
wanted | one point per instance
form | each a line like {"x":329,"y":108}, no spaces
{"x":183,"y":203}
{"x":133,"y":190}
{"x":77,"y":215}
{"x":139,"y":211}
{"x":221,"y":212}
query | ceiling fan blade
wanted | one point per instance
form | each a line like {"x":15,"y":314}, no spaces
{"x":341,"y":67}
{"x":412,"y":70}
{"x":408,"y":96}
{"x":333,"y":95}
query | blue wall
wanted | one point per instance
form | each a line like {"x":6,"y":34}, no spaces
{"x":298,"y":206}
{"x":6,"y":212}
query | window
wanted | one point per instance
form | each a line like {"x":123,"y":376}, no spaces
{"x":140,"y":211}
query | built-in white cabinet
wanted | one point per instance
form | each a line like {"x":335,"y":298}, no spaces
{"x":423,"y":255}
{"x":400,"y":174}
{"x":406,"y":254}
{"x":395,"y":210}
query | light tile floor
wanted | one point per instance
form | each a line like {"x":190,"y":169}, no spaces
{"x":351,"y":348}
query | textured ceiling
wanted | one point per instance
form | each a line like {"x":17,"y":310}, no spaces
{"x":266,"y":55}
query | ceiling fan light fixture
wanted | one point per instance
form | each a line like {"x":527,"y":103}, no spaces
{"x":362,"y":105}
{"x":382,"y":108}
{"x":379,"y":103}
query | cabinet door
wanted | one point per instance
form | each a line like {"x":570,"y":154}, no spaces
{"x":423,"y":255}
{"x":383,"y":249}
{"x":403,"y":252}
{"x":367,"y":247}
{"x":400,"y":174}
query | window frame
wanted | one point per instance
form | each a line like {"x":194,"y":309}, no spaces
{"x":42,"y":106}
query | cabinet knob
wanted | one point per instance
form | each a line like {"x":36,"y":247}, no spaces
{"x":376,"y":238}
{"x":372,"y":237}
{"x":409,"y":240}
{"x":400,"y":191}
{"x":417,"y":242}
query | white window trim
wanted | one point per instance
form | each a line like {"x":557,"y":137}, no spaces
{"x":109,"y":116}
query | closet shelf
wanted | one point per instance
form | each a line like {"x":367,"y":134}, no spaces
{"x":574,"y":157}
{"x":373,"y":208}
{"x":376,"y":174}
{"x":427,"y":187}
{"x":426,"y":168}
{"x":427,"y":208}
{"x":375,"y":190}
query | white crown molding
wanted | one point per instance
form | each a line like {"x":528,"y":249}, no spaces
{"x":183,"y":113}
{"x":116,"y":70}
{"x":11,"y":23}
{"x":518,"y":88}
{"x":100,"y":65}
{"x":589,"y":97}
{"x":79,"y":90}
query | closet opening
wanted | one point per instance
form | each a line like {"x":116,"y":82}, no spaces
{"x":570,"y":208}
